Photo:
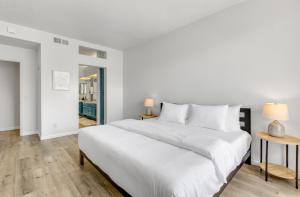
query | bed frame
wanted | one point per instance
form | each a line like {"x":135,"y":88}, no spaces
{"x":245,"y":120}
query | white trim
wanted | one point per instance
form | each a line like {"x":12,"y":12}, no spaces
{"x":255,"y":162}
{"x":9,"y":128}
{"x":28,"y":133}
{"x":42,"y":137}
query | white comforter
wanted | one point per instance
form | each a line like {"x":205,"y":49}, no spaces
{"x":150,"y":159}
{"x":213,"y":148}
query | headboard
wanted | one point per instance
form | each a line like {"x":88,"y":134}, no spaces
{"x":245,"y":118}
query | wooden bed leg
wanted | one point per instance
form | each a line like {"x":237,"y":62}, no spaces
{"x":81,"y":158}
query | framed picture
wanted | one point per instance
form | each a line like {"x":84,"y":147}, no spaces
{"x":61,"y":80}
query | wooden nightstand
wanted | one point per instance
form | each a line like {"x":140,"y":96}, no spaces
{"x":144,"y":116}
{"x":278,"y":170}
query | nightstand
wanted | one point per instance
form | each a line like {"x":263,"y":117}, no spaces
{"x":279,"y":170}
{"x":144,"y":116}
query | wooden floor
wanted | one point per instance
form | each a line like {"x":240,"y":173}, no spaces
{"x":30,"y":167}
{"x":85,"y":122}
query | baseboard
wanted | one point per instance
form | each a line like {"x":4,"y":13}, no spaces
{"x":9,"y":128}
{"x":45,"y":137}
{"x":28,"y":133}
{"x":255,"y":162}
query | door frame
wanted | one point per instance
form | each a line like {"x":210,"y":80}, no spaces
{"x":101,"y":102}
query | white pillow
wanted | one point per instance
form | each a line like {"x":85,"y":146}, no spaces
{"x":174,"y":113}
{"x":212,"y":117}
{"x":233,"y":118}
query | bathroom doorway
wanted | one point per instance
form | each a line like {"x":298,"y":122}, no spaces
{"x":91,"y":96}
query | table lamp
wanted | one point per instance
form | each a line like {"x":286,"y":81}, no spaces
{"x":148,"y":104}
{"x":276,"y":112}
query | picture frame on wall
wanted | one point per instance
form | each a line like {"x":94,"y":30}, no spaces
{"x":61,"y":80}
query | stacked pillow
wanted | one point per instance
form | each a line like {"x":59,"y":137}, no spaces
{"x":218,"y":117}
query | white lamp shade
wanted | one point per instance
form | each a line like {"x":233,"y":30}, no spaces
{"x":276,"y":111}
{"x":149,"y":102}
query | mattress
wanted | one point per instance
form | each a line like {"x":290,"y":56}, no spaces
{"x":148,"y":167}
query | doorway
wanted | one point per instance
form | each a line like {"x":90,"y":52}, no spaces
{"x":10,"y":100}
{"x":26,"y":55}
{"x":91,"y":96}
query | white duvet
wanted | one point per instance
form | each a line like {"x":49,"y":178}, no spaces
{"x":152,"y":158}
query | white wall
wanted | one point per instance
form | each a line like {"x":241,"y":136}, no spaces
{"x":27,"y":59}
{"x":10,"y":99}
{"x":247,"y":54}
{"x":59,"y":109}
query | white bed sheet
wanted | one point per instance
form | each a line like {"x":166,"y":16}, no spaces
{"x":151,"y":168}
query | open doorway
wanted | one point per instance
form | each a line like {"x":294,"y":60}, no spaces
{"x":20,"y":92}
{"x":10,"y":101}
{"x":91,"y":96}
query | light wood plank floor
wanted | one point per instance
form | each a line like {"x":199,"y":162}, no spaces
{"x":85,"y":122}
{"x":30,"y":168}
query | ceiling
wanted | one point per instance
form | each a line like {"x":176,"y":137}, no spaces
{"x":118,"y":24}
{"x":85,"y":71}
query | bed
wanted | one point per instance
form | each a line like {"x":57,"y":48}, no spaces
{"x":149,"y":158}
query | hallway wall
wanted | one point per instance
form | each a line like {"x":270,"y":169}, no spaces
{"x":10,"y":99}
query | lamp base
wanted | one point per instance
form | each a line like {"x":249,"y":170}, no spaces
{"x":276,"y":129}
{"x":148,"y":111}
